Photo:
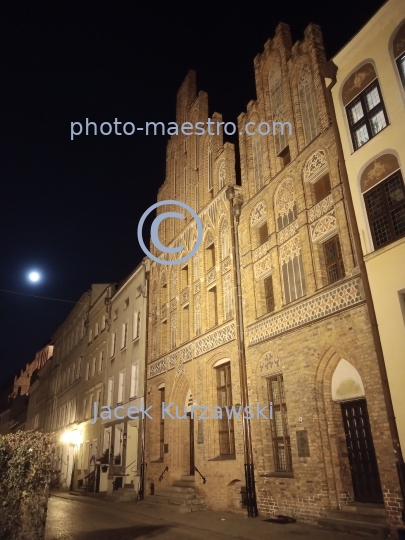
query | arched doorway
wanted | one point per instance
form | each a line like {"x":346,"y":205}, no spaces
{"x":348,"y":391}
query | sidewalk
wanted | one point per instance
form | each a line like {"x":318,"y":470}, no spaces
{"x":225,"y":523}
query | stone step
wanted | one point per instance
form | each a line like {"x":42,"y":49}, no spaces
{"x":181,"y":489}
{"x":185,"y":502}
{"x":177,"y":494}
{"x":188,"y":478}
{"x":198,"y":507}
{"x":182,"y":483}
{"x":347,"y":525}
{"x":356,"y":516}
{"x":365,"y":508}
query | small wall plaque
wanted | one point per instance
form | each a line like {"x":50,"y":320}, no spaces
{"x":302,"y":443}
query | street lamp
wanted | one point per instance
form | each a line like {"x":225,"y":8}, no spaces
{"x":235,"y":207}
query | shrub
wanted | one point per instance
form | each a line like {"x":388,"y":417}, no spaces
{"x":26,"y":460}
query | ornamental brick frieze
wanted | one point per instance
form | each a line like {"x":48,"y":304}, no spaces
{"x":290,"y":249}
{"x":268,"y":363}
{"x":214,"y":339}
{"x":258,"y":214}
{"x":343,"y":296}
{"x":263,"y":267}
{"x":185,"y":295}
{"x":259,"y":252}
{"x":288,"y":232}
{"x":197,"y":287}
{"x":170,"y":360}
{"x":211,"y":276}
{"x":324,"y":228}
{"x":226,"y":265}
{"x":320,"y":209}
{"x":315,"y":166}
{"x":156,"y":368}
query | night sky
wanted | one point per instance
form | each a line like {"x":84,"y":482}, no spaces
{"x":70,"y":209}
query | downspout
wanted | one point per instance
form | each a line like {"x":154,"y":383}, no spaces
{"x":146,"y":264}
{"x":329,"y":71}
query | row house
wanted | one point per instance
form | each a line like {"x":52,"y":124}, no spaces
{"x":192,"y":349}
{"x":367,"y":86}
{"x":309,"y":346}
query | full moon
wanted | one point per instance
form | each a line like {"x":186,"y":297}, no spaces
{"x":34,"y":276}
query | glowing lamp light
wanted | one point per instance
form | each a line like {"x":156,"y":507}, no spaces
{"x":72,"y":438}
{"x":34,"y":276}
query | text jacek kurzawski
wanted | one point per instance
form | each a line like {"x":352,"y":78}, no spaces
{"x":202,"y":412}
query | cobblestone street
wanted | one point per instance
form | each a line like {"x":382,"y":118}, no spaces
{"x":79,"y":518}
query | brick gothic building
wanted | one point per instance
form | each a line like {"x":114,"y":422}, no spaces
{"x":192,"y":350}
{"x":309,"y":346}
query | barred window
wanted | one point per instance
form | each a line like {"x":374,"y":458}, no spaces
{"x":366,"y":115}
{"x":279,"y":424}
{"x":385,"y":205}
{"x":334,"y":261}
{"x":224,"y":399}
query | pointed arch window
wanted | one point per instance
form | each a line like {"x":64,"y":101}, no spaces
{"x":284,"y":203}
{"x":210,"y":181}
{"x":399,"y":52}
{"x":309,"y":111}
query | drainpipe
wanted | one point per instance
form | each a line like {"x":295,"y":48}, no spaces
{"x":145,"y":293}
{"x":329,"y":71}
{"x":235,"y":208}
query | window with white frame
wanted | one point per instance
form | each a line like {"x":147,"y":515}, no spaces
{"x":134,"y":380}
{"x":85,"y":410}
{"x":103,"y":320}
{"x":90,"y":336}
{"x":399,"y":51}
{"x":112,"y":345}
{"x":124,"y":335}
{"x":110,"y":391}
{"x":100,"y":361}
{"x":121,"y":386}
{"x":96,"y":327}
{"x":118,"y":444}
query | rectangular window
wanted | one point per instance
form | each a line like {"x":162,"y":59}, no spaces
{"x":87,"y":371}
{"x":96,"y":330}
{"x":279,"y":424}
{"x":100,"y":361}
{"x":85,"y":410}
{"x":322,"y":188}
{"x":118,"y":445}
{"x":163,"y":338}
{"x":285,"y":156}
{"x":184,"y":277}
{"x":134,"y":380}
{"x":110,"y":391}
{"x":385,"y":206}
{"x":112,"y":349}
{"x":263,"y":234}
{"x":98,"y":399}
{"x":210,"y":251}
{"x":162,"y":426}
{"x":212,"y":307}
{"x":293,"y":279}
{"x":124,"y":335}
{"x":90,"y":336}
{"x":126,"y":303}
{"x":224,"y":399}
{"x":121,"y":386}
{"x":79,"y":368}
{"x":115,"y":314}
{"x":269,"y":294}
{"x":135,"y":325}
{"x":186,"y":323}
{"x":103,"y":323}
{"x":93,"y":366}
{"x":333,"y":258}
{"x":366,"y":115}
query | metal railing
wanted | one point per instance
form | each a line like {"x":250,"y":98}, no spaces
{"x":161,"y":476}
{"x":203,"y":477}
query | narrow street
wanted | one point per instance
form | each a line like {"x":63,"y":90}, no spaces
{"x":71,"y":518}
